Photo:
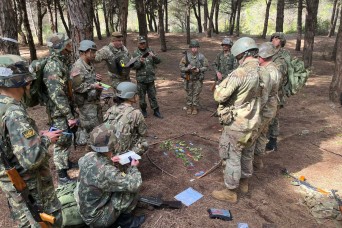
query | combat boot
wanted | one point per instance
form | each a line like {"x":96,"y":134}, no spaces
{"x":189,"y":110}
{"x":244,"y":185}
{"x":63,"y":177}
{"x":194,"y":110}
{"x":228,"y":195}
{"x":156,"y":113}
{"x":271,"y":146}
{"x":127,"y":220}
{"x":258,"y":162}
{"x":144,"y":112}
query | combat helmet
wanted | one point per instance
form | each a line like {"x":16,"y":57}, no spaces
{"x":102,"y":138}
{"x":58,"y":41}
{"x":194,"y":43}
{"x":281,"y":37}
{"x":227,"y":41}
{"x":14,"y":72}
{"x":267,"y":50}
{"x":243,"y":45}
{"x":126,"y":90}
{"x":85,"y":45}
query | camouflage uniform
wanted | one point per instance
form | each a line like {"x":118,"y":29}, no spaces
{"x":146,"y":75}
{"x":224,"y":64}
{"x":29,"y":154}
{"x":113,"y":56}
{"x":103,"y":192}
{"x":193,"y":86}
{"x":239,"y":108}
{"x":56,"y":79}
{"x":130,"y":127}
{"x":86,"y":98}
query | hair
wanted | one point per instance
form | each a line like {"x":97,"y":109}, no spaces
{"x":118,"y":100}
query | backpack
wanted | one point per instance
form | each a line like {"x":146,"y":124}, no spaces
{"x":38,"y":90}
{"x":70,"y":212}
{"x":297,"y":76}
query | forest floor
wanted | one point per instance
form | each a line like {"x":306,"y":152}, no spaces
{"x":310,"y":144}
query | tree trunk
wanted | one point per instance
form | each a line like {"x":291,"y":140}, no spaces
{"x":154,"y":22}
{"x":123,"y":16}
{"x":105,"y":14}
{"x":332,"y":30}
{"x":310,"y":24}
{"x":40,"y":16}
{"x":335,"y":90}
{"x":210,"y":29}
{"x":332,"y":19}
{"x":161,"y":26}
{"x":81,"y":18}
{"x":97,"y":22}
{"x":61,"y":14}
{"x":205,"y":15}
{"x":149,"y":19}
{"x":238,"y":17}
{"x":188,"y":24}
{"x":280,"y":15}
{"x":299,"y":25}
{"x":30,"y":15}
{"x":52,"y":24}
{"x":166,"y":16}
{"x":19,"y":11}
{"x":217,"y":10}
{"x":267,"y":15}
{"x":232,"y":17}
{"x":337,"y":37}
{"x":8,"y":28}
{"x":197,"y":15}
{"x":140,"y":7}
{"x":56,"y":20}
{"x":32,"y":48}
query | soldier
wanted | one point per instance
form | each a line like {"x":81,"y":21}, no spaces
{"x":106,"y":194}
{"x":116,"y":55}
{"x":239,"y":106}
{"x":225,"y":62}
{"x":146,"y":75}
{"x":270,"y":103}
{"x":87,"y":91}
{"x":22,"y":146}
{"x":281,"y":58}
{"x":128,"y":122}
{"x":59,"y":104}
{"x":193,"y":65}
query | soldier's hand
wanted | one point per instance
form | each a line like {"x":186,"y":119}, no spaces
{"x":97,"y":86}
{"x":98,"y":77}
{"x":72,"y":123}
{"x":142,"y":60}
{"x":219,"y":75}
{"x":196,"y":70}
{"x":52,"y":135}
{"x":189,"y":67}
{"x":134,"y":162}
{"x":115,"y":159}
{"x":152,"y":54}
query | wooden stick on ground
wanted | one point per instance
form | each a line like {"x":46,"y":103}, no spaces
{"x":159,"y":167}
{"x":211,"y":169}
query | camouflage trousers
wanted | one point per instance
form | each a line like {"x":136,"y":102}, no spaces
{"x":42,"y":190}
{"x":193,"y":90}
{"x":261,"y":141}
{"x":110,"y":211}
{"x":273,"y":129}
{"x":61,"y":148}
{"x":117,"y":79}
{"x":90,"y":116}
{"x":150,"y":90}
{"x":239,"y":160}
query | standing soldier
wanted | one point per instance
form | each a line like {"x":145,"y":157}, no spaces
{"x":239,"y":106}
{"x":23,"y":149}
{"x":59,"y":104}
{"x":87,"y":91}
{"x":281,"y":58}
{"x":116,"y":56}
{"x":225,"y":62}
{"x":146,"y":75}
{"x":193,"y":65}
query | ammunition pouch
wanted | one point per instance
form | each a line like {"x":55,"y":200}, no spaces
{"x":226,"y":114}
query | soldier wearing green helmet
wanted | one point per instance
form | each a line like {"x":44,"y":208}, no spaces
{"x":193,"y":65}
{"x":87,"y":91}
{"x":59,"y":100}
{"x":23,"y":147}
{"x":239,"y":99}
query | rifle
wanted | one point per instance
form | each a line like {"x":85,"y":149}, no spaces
{"x":186,"y":75}
{"x":73,"y":111}
{"x":133,"y":60}
{"x":158,"y":202}
{"x":339,"y":201}
{"x":43,"y":219}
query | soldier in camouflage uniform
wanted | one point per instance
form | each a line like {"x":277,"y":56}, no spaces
{"x":115,"y":55}
{"x":193,"y":65}
{"x":128,"y":122}
{"x":87,"y":91}
{"x":239,"y":106}
{"x":106,"y":191}
{"x":281,"y":58}
{"x":146,"y":75}
{"x":57,"y":81}
{"x":225,"y":62}
{"x":23,"y":147}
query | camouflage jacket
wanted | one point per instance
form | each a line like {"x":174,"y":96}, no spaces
{"x":102,"y":187}
{"x":56,"y":78}
{"x":199,"y":61}
{"x":225,"y":64}
{"x":83,"y":78}
{"x":281,"y":58}
{"x":113,"y":56}
{"x":239,"y":97}
{"x":145,"y":71}
{"x":130,"y":127}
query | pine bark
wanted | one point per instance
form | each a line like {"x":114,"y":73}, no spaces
{"x":267,"y":15}
{"x":280,"y":16}
{"x":332,"y":19}
{"x":140,"y":8}
{"x":205,"y":15}
{"x":123,"y":16}
{"x":237,"y":31}
{"x":61,"y":14}
{"x":161,"y":26}
{"x":299,"y":25}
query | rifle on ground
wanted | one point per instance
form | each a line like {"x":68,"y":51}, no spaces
{"x":19,"y":184}
{"x":158,"y":202}
{"x":339,"y":201}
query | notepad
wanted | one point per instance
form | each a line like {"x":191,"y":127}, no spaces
{"x":105,"y":86}
{"x":124,"y":158}
{"x":188,"y":196}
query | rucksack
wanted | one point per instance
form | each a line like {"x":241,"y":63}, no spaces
{"x":70,"y":213}
{"x":297,"y":76}
{"x":38,"y":90}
